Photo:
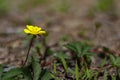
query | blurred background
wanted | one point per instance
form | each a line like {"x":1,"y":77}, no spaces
{"x":93,"y":21}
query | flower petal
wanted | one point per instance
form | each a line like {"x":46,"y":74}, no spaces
{"x":38,"y":28}
{"x":30,"y":27}
{"x":26,"y":31}
{"x":42,"y":32}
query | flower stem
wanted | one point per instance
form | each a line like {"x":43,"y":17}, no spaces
{"x":30,"y":45}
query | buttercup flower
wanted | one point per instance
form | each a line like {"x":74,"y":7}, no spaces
{"x":34,"y":30}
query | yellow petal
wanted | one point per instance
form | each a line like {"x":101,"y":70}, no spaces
{"x":42,"y":32}
{"x":30,"y":27}
{"x":26,"y":31}
{"x":38,"y":28}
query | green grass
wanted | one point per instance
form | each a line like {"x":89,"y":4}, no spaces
{"x":103,"y":6}
{"x":5,"y":6}
{"x":63,"y":7}
{"x":29,"y":4}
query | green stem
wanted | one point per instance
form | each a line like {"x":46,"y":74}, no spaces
{"x":30,"y":45}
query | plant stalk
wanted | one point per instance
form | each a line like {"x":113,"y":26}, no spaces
{"x":28,"y":52}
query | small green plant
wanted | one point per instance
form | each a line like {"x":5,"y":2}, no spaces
{"x":81,"y":49}
{"x":4,"y":8}
{"x":82,"y":33}
{"x":87,"y":74}
{"x":64,"y":38}
{"x":82,"y":52}
{"x":115,"y":61}
{"x":104,"y":6}
{"x":63,"y":7}
{"x":33,"y":3}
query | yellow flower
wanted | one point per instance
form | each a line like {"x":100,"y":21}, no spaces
{"x":34,"y":30}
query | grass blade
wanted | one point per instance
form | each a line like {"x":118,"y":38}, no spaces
{"x":76,"y":71}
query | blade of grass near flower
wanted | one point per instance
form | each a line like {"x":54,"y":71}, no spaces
{"x":64,"y":63}
{"x":105,"y":76}
{"x":53,"y":76}
{"x":62,"y":57}
{"x":103,"y":62}
{"x":76,"y":71}
{"x":71,"y":71}
{"x":96,"y":74}
{"x":88,"y":73}
{"x":54,"y":68}
{"x":113,"y":77}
